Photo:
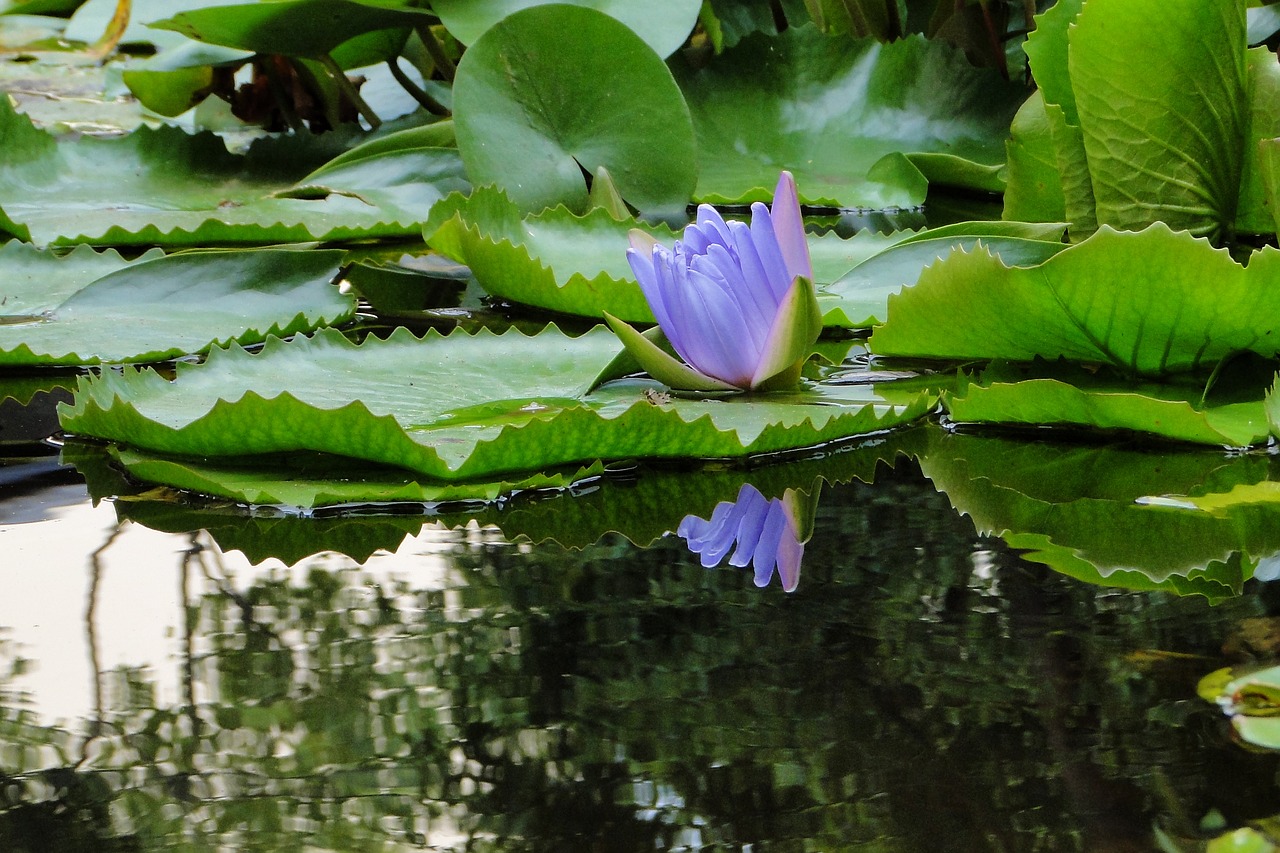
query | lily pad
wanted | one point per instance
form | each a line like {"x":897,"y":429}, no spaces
{"x":26,"y":389}
{"x":839,"y":114}
{"x":451,"y":408}
{"x":663,"y":24}
{"x":64,"y":92}
{"x":1034,"y":192}
{"x":33,"y":282}
{"x":163,"y":187}
{"x":1251,"y":699}
{"x":1062,"y":396}
{"x":554,"y":260}
{"x":1148,"y":303}
{"x":1163,"y":139}
{"x":314,"y":481}
{"x":553,"y":90}
{"x":172,"y":306}
{"x":90,"y":21}
{"x":307,"y":28}
{"x":174,"y":81}
{"x":859,"y":298}
{"x":38,"y":7}
{"x":558,"y":261}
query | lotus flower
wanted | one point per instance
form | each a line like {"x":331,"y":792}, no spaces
{"x":736,"y":303}
{"x":767,"y":533}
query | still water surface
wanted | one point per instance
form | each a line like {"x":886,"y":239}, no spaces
{"x":457,"y":687}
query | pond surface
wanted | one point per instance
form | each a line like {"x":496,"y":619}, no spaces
{"x":456,"y":687}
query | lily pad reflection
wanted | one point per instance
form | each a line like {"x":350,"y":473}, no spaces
{"x":1190,"y":521}
{"x":576,"y":512}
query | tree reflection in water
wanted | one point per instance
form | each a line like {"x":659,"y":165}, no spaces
{"x":922,"y":689}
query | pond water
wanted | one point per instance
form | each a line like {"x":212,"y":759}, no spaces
{"x":460,"y":681}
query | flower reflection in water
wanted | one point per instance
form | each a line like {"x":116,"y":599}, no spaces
{"x":767,"y":532}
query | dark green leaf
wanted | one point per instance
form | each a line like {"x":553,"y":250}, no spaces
{"x":555,"y":90}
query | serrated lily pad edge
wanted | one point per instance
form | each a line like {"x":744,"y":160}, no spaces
{"x":971,"y":403}
{"x":101,"y":410}
{"x":457,"y":237}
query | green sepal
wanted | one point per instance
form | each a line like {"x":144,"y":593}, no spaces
{"x":802,"y":508}
{"x":660,"y":365}
{"x":791,"y":338}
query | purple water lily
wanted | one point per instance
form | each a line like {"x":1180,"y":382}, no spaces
{"x":766,"y":532}
{"x":736,"y":302}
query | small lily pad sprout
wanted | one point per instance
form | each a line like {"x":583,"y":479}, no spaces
{"x":736,"y":303}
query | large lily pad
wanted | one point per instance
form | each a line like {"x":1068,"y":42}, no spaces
{"x":1082,"y":399}
{"x":839,"y":114}
{"x":453,"y":408}
{"x":62,"y":91}
{"x":1157,"y":146}
{"x":1149,"y":303}
{"x":33,"y":282}
{"x":553,"y":90}
{"x":164,"y":187}
{"x":559,"y":261}
{"x":859,"y":298}
{"x":38,"y":7}
{"x":554,"y":260}
{"x":312,"y":481}
{"x":166,"y":307}
{"x":663,"y":24}
{"x":90,"y":21}
{"x":309,"y":28}
{"x":1034,"y":191}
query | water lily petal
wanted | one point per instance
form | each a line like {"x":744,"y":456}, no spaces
{"x":772,"y":532}
{"x":758,"y":289}
{"x":788,"y":228}
{"x":668,"y":281}
{"x":708,"y":229}
{"x":711,"y":324}
{"x":754,"y":509}
{"x":720,"y":267}
{"x":709,"y":219}
{"x":711,"y":539}
{"x":790,"y":556}
{"x":642,"y":266}
{"x":766,"y":243}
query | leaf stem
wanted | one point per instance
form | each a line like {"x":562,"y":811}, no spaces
{"x":436,"y":50}
{"x":419,"y":94}
{"x":349,"y":89}
{"x":114,"y":32}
